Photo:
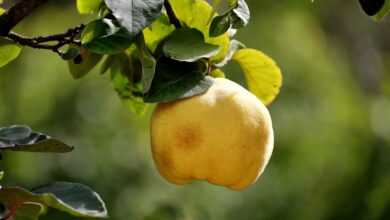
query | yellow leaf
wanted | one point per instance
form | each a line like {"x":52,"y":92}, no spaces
{"x":198,"y":14}
{"x":217,"y":73}
{"x":2,"y":10}
{"x":88,"y":6}
{"x":157,"y":31}
{"x":262,"y":74}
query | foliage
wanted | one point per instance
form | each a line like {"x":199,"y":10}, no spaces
{"x":149,"y":60}
{"x":73,"y":198}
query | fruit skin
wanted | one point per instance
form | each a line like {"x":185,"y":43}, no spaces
{"x":224,"y":136}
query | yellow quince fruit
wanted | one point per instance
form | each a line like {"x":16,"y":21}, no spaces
{"x":224,"y":136}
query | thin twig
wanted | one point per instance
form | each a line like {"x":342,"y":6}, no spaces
{"x":52,"y":42}
{"x":71,"y":33}
{"x":171,"y":14}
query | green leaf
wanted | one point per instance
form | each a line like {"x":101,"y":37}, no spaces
{"x":198,"y":14}
{"x":15,"y":133}
{"x":188,"y":45}
{"x":8,"y":51}
{"x":29,"y":211}
{"x":220,"y":25}
{"x":88,"y":6}
{"x":125,"y":89}
{"x":79,"y":68}
{"x":383,"y":12}
{"x":107,"y":64}
{"x":104,"y":37}
{"x":240,"y":15}
{"x":136,"y":104}
{"x":1,"y":175}
{"x":148,"y":64}
{"x":73,"y":198}
{"x":263,"y":76}
{"x":157,"y":31}
{"x":135,"y":15}
{"x":123,"y":65}
{"x":177,"y":80}
{"x":45,"y":146}
{"x":22,"y":138}
{"x":236,"y":17}
{"x":125,"y":73}
{"x":71,"y":53}
{"x":148,"y":71}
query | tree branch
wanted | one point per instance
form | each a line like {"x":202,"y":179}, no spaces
{"x":46,"y":42}
{"x":53,"y":42}
{"x":17,"y":13}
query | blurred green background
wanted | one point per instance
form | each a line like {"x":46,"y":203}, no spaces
{"x":332,"y":122}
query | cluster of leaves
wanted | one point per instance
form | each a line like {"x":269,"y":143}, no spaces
{"x":154,"y":51}
{"x":151,"y":58}
{"x":21,"y":204}
{"x":153,"y":54}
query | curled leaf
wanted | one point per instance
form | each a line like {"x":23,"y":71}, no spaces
{"x":189,"y":11}
{"x":188,"y":45}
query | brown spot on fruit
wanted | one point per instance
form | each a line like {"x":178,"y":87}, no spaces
{"x":188,"y":137}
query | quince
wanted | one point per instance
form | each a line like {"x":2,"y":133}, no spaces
{"x":224,"y":136}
